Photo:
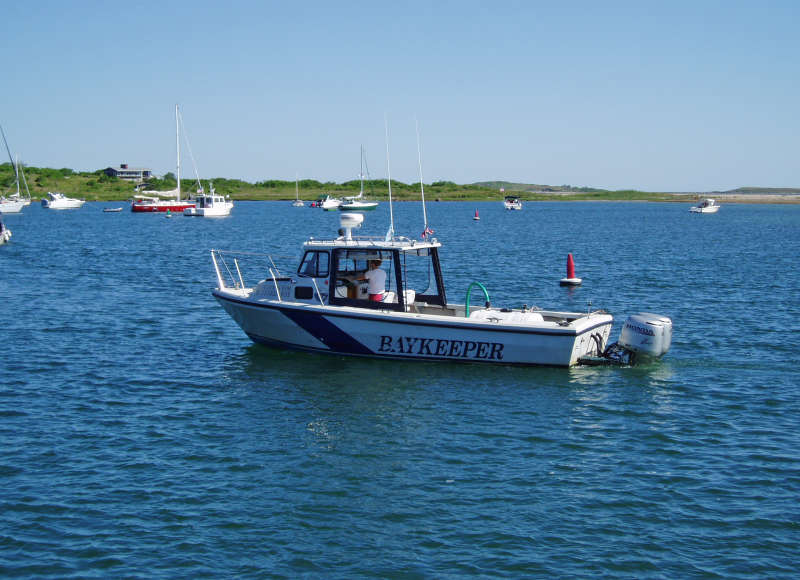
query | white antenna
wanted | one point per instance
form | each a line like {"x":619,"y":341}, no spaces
{"x":178,"y":148}
{"x":390,"y":233}
{"x":421,"y":184}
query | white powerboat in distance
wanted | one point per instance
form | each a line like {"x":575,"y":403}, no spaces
{"x":330,"y":203}
{"x":512,"y":202}
{"x":324,"y":305}
{"x":708,"y":205}
{"x":57,"y":200}
{"x":211,"y":205}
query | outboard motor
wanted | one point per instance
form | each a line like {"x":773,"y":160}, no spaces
{"x":643,"y":336}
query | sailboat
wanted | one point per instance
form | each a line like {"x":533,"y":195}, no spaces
{"x":476,"y":217}
{"x":14,"y":202}
{"x":357,"y":202}
{"x":154,"y":201}
{"x":297,"y":201}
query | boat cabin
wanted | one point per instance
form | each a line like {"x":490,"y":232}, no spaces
{"x":333,"y":272}
{"x":207,"y":201}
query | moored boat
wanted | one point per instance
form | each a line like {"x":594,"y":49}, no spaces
{"x":330,"y":203}
{"x":210,"y":205}
{"x":14,"y":202}
{"x":708,"y":205}
{"x":5,"y":233}
{"x":357,"y":202}
{"x":149,"y":201}
{"x":512,"y":202}
{"x":10,"y":205}
{"x":57,"y":200}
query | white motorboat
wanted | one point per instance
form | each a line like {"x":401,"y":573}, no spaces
{"x":512,"y":202}
{"x":358,"y":205}
{"x":324,"y":306}
{"x":57,"y":200}
{"x":708,"y":205}
{"x":211,"y":205}
{"x":330,"y":203}
{"x":5,"y":233}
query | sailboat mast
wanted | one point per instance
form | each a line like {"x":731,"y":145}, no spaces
{"x":178,"y":149}
{"x":10,"y":158}
{"x":361,"y":173}
{"x":389,"y":173}
{"x":421,"y":184}
{"x":16,"y":169}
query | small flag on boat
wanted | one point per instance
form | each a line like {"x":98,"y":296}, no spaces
{"x":427,"y":232}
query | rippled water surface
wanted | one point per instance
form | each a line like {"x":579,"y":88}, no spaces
{"x":143,"y":435}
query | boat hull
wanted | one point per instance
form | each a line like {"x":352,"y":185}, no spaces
{"x":207,"y":212}
{"x":9,"y":206}
{"x":413,"y":336}
{"x":160,"y":206}
{"x":365,"y":206}
{"x":70,"y":204}
{"x":712,"y":209}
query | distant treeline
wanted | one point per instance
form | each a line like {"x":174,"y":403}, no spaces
{"x":96,"y":185}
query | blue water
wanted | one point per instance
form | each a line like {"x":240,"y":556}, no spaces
{"x":143,"y":435}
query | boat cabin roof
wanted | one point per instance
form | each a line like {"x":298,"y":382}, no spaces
{"x":401,"y":244}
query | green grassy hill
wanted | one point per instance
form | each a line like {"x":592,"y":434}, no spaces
{"x":96,"y":186}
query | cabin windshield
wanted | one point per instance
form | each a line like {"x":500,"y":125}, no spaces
{"x":351,"y":268}
{"x":417,"y":271}
{"x":315,"y":264}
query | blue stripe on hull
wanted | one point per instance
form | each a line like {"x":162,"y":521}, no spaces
{"x":326,"y":332}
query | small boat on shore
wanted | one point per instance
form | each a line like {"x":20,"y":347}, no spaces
{"x":708,"y":205}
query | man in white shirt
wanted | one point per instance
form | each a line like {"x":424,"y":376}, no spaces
{"x":376,"y":279}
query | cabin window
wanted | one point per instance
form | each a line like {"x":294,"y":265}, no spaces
{"x":351,"y":266}
{"x":303,"y":292}
{"x":315,"y":265}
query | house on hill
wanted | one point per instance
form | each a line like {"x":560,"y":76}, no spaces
{"x":137,"y":174}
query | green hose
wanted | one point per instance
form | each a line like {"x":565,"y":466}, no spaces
{"x":469,"y":295}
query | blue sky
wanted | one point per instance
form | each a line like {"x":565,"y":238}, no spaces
{"x":658,"y":96}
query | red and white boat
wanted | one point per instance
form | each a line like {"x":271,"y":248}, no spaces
{"x":148,"y":201}
{"x":149,"y":204}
